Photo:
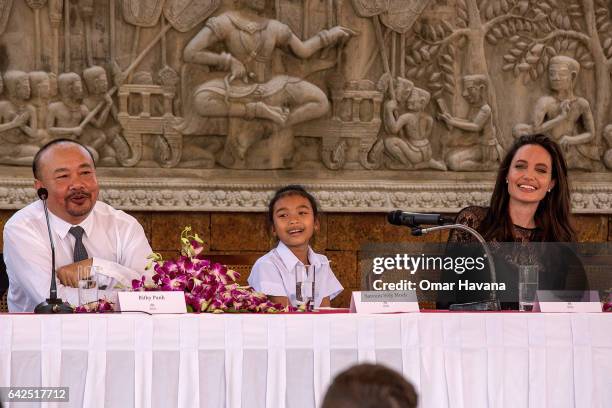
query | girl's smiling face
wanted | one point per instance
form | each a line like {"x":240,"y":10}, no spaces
{"x":294,"y":222}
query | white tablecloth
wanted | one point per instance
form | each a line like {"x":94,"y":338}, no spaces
{"x":455,"y":360}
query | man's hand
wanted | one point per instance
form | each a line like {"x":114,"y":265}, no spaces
{"x":68,"y":274}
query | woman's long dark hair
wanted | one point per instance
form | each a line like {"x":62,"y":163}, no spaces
{"x":552,"y":216}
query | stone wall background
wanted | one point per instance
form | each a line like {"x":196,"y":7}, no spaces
{"x":340,"y":237}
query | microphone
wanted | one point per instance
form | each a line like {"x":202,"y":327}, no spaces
{"x":413,"y":220}
{"x":52,"y":304}
{"x":409,"y":219}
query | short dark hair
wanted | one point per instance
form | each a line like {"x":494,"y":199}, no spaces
{"x":35,"y":164}
{"x":292,"y":189}
{"x":370,"y":386}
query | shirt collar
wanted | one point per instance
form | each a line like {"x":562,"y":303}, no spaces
{"x":290,"y":260}
{"x":62,"y":227}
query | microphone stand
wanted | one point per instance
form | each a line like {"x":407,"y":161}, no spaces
{"x":493,"y":302}
{"x":53,"y":304}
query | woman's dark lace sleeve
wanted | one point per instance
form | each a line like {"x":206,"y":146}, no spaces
{"x":471,"y":217}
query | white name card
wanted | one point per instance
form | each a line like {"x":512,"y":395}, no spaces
{"x":401,"y":301}
{"x":567,"y":301}
{"x":152,"y":302}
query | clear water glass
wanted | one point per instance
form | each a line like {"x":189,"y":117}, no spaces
{"x":528,"y":285}
{"x":304,"y":286}
{"x":88,"y":285}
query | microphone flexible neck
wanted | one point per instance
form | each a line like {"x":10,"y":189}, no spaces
{"x":481,"y":240}
{"x":53,"y":289}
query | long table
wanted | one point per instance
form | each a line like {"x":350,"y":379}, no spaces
{"x":245,"y":360}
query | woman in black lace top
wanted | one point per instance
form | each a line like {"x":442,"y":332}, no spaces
{"x":530,"y":204}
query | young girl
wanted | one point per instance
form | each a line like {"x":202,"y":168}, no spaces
{"x":293,"y":214}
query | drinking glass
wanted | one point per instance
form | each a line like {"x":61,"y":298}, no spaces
{"x":528,"y":285}
{"x":88,"y":285}
{"x":305,"y":285}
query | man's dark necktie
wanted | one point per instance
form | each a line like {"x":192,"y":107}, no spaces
{"x":80,"y":253}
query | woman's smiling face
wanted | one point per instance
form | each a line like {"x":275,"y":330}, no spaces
{"x":530,"y":175}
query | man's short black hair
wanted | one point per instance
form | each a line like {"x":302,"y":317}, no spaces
{"x":35,"y":165}
{"x":370,"y":385}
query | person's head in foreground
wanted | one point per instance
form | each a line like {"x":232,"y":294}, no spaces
{"x":67,"y":170}
{"x":370,"y":386}
{"x":532,"y":179}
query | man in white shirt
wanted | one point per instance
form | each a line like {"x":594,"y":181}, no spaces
{"x":85,"y":232}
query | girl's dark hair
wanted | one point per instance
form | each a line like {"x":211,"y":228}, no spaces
{"x":552,"y":216}
{"x":292,"y":189}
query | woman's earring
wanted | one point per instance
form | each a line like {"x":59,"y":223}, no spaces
{"x":506,"y":181}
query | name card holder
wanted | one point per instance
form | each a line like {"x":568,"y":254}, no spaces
{"x":384,"y":302}
{"x":567,"y":301}
{"x":153,"y":302}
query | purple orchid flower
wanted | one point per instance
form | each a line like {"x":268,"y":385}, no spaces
{"x":138,"y":284}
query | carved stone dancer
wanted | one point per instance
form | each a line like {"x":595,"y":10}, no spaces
{"x":252,"y":90}
{"x":411,"y":147}
{"x":41,"y":95}
{"x":565,"y":117}
{"x":478,"y":148}
{"x":18,"y":135}
{"x":102,"y":133}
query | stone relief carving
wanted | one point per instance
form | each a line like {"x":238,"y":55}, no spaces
{"x":398,"y":86}
{"x":442,"y":196}
{"x":407,"y":136}
{"x":260,"y":105}
{"x":566,"y":118}
{"x":476,"y":147}
{"x":18,"y":121}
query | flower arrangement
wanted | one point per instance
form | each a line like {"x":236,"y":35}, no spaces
{"x":209,"y":287}
{"x":101,"y":306}
{"x":607,"y":301}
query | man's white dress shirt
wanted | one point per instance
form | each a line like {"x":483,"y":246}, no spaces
{"x":274,"y":275}
{"x":114,"y":239}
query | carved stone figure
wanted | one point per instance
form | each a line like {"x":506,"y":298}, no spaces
{"x":40,"y":84}
{"x":18,"y":135}
{"x":573,"y":127}
{"x":407,"y":140}
{"x":64,"y":116}
{"x":258,"y":102}
{"x":477,"y":148}
{"x":207,"y":88}
{"x":103,"y":132}
{"x":145,"y":110}
{"x":608,"y":154}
